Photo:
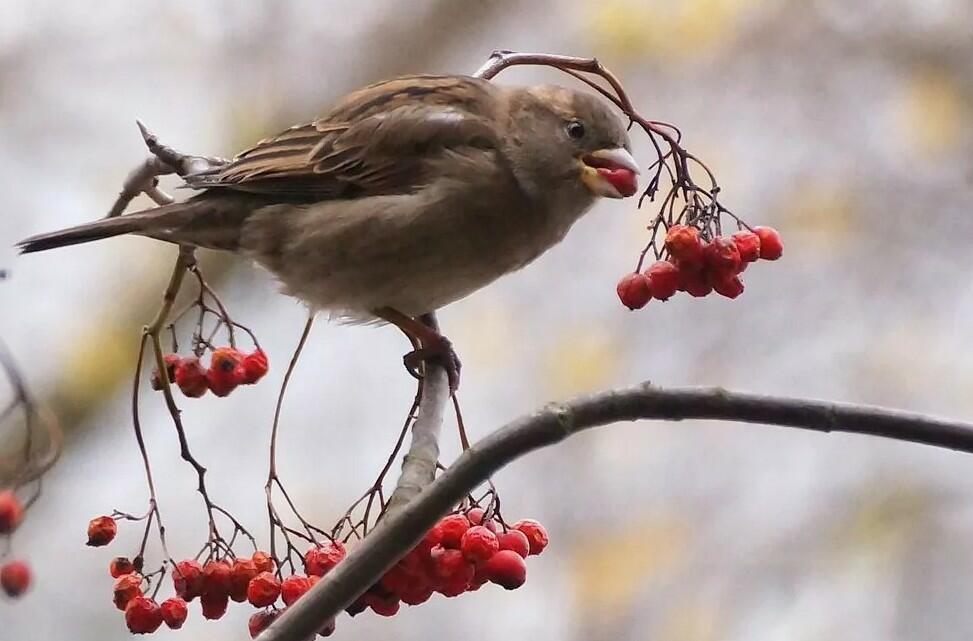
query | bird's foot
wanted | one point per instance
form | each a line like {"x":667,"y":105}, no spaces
{"x":439,"y":351}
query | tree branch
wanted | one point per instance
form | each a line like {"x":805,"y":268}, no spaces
{"x":401,"y":531}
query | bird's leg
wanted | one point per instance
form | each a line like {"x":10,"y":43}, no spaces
{"x":431,"y":344}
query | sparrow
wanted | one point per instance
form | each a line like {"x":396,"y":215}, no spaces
{"x":408,"y":195}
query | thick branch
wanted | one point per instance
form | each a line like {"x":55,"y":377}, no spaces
{"x":401,"y":531}
{"x":419,"y":463}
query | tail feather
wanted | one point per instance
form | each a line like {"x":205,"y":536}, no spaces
{"x":201,"y":221}
{"x":104,"y":228}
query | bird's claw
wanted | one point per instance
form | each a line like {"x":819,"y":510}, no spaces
{"x":442,"y":353}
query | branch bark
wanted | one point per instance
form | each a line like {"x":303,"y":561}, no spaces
{"x":401,"y":531}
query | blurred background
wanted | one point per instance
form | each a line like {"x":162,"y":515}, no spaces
{"x":843,"y":124}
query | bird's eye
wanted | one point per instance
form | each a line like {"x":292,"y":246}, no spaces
{"x":575,"y":129}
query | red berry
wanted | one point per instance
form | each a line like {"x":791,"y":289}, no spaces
{"x":722,"y":256}
{"x":101,"y":531}
{"x":695,"y":283}
{"x":514,"y":540}
{"x":225,"y":371}
{"x":771,"y":246}
{"x":263,"y":561}
{"x":190,"y":376}
{"x":320,"y":559}
{"x":382,"y":606}
{"x":634,"y":290}
{"x":11,"y":511}
{"x":14,"y":578}
{"x":214,"y":605}
{"x":684,"y":245}
{"x":143,"y":615}
{"x":155,"y":381}
{"x":452,"y":568}
{"x":174,"y":612}
{"x":217,"y":579}
{"x":293,"y":588}
{"x":260,"y":621}
{"x":451,"y":528}
{"x":536,"y":534}
{"x":241,"y":572}
{"x":126,"y":588}
{"x":729,"y":285}
{"x":663,"y":279}
{"x":475,"y":516}
{"x":255,"y":365}
{"x":396,"y":579}
{"x":263,"y":590}
{"x":187,"y":579}
{"x":479,"y":543}
{"x":120,"y":566}
{"x":748,"y":244}
{"x":507,"y":568}
{"x":416,"y":594}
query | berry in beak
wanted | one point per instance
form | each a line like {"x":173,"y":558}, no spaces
{"x":612,"y":173}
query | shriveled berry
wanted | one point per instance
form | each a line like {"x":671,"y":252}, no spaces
{"x":126,"y":588}
{"x":174,"y":612}
{"x":14,"y":578}
{"x":396,"y":579}
{"x":748,"y":244}
{"x":120,"y":566}
{"x":475,"y":516}
{"x":771,"y":245}
{"x":452,"y":527}
{"x":263,"y":590}
{"x":217,"y":579}
{"x":155,"y":380}
{"x":293,"y":588}
{"x":143,"y":615}
{"x":478,"y":544}
{"x":729,"y":285}
{"x":225,"y":370}
{"x":634,"y":290}
{"x":255,"y":366}
{"x":663,"y":279}
{"x":327,"y":629}
{"x":685,"y":246}
{"x":382,"y":606}
{"x":320,"y":559}
{"x":722,"y":256}
{"x":536,"y":534}
{"x":101,"y":531}
{"x":507,"y":569}
{"x":214,"y":605}
{"x":695,"y":284}
{"x":260,"y":621}
{"x":514,"y":540}
{"x":187,"y":579}
{"x":11,"y":511}
{"x":263,"y":561}
{"x":241,"y":572}
{"x":190,"y":376}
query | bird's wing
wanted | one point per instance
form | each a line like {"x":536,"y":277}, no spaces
{"x":379,"y":140}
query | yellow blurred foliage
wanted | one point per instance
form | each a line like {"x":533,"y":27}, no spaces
{"x":825,"y":214}
{"x":634,"y":28}
{"x":612,"y":566}
{"x":933,"y":111}
{"x":581,"y":360}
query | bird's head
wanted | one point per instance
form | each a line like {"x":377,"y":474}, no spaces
{"x":571,"y":140}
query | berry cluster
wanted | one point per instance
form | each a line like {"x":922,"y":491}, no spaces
{"x":699,"y":267}
{"x":14,"y":574}
{"x":459,"y":554}
{"x":228,"y":369}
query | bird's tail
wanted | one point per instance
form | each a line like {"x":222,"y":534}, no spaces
{"x":204,"y":222}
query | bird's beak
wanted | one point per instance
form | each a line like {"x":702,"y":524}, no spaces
{"x":612,"y":173}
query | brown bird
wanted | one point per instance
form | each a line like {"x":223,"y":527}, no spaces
{"x":407,"y":195}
